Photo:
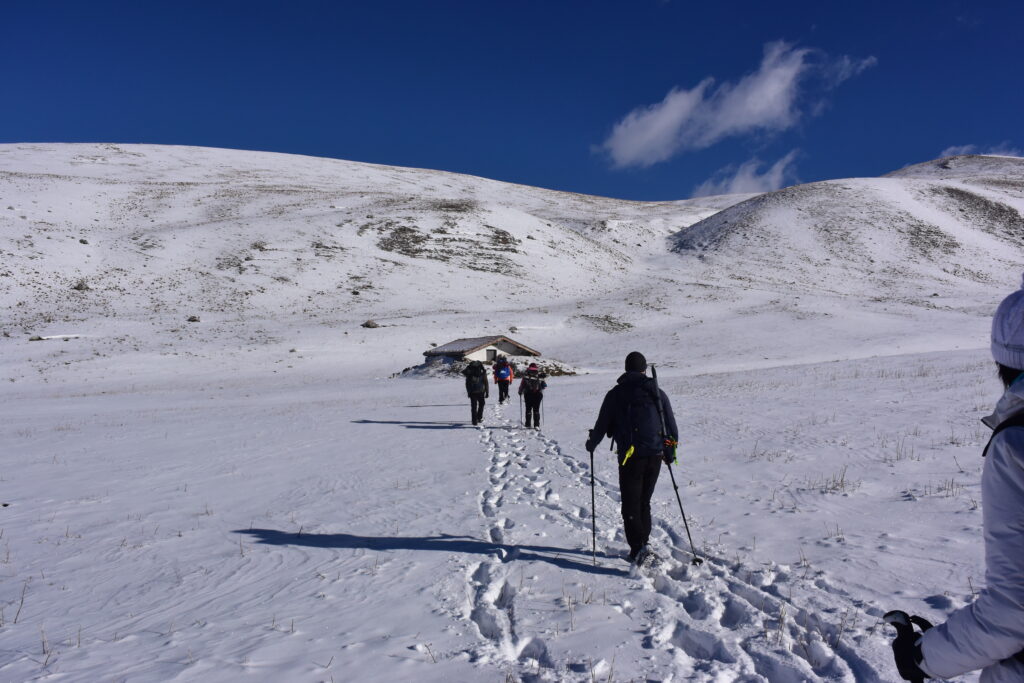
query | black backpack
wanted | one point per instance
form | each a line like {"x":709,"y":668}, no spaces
{"x":642,"y":428}
{"x":476,"y":378}
{"x":532,"y":384}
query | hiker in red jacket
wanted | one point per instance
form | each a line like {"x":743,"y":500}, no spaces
{"x":531,"y":388}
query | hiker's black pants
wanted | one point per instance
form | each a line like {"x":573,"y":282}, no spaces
{"x":637,"y":479}
{"x":532,"y":402}
{"x":476,"y":408}
{"x":503,"y":390}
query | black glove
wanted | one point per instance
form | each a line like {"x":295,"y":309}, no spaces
{"x":669,"y":453}
{"x":593,"y":441}
{"x":906,"y":648}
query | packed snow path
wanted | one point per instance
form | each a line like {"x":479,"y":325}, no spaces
{"x":722,"y":621}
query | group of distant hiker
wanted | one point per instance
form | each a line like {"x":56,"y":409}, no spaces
{"x":531,"y":388}
{"x":987,"y":634}
{"x":635,"y":414}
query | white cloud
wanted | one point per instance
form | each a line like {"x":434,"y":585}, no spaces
{"x":651,"y":134}
{"x":846,"y":68}
{"x":766,"y":100}
{"x":745,"y":178}
{"x":1004,"y":148}
{"x":958,"y":149}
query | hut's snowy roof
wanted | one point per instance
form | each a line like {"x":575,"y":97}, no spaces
{"x":471,"y":344}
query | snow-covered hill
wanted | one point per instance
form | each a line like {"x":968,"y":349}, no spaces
{"x":249,"y":494}
{"x":257,"y":234}
{"x":247,"y":242}
{"x":999,"y":171}
{"x":941,"y":229}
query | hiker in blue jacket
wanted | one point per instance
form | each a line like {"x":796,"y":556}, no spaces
{"x":504,"y":375}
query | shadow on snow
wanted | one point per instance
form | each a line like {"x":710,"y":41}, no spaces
{"x":415,"y":424}
{"x":438,"y":405}
{"x":443,"y":542}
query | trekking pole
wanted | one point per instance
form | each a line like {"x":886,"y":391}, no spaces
{"x":593,"y":510}
{"x":521,"y":422}
{"x":697,"y":561}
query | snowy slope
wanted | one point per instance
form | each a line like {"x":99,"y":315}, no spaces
{"x":251,"y":495}
{"x":251,"y":234}
{"x":984,"y":169}
{"x":953,"y":227}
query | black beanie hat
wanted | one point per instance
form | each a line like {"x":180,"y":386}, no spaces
{"x":635,"y":362}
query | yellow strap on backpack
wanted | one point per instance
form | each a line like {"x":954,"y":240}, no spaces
{"x":629,"y":454}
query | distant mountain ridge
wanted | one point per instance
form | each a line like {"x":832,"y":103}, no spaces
{"x":950,"y":223}
{"x":258,"y":233}
{"x":247,"y":242}
{"x":964,"y":166}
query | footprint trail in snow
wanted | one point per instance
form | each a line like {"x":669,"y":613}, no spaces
{"x":723,"y":621}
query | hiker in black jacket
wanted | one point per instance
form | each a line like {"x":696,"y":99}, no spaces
{"x":629,"y":415}
{"x":531,"y":388}
{"x":477,"y":389}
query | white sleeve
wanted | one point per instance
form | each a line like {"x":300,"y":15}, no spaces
{"x":992,"y":627}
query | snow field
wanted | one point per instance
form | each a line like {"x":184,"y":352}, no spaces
{"x":312,"y":527}
{"x":251,"y":495}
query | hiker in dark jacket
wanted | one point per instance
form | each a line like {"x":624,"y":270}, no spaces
{"x":988,"y":634}
{"x":629,"y":415}
{"x":477,"y":389}
{"x":531,"y":388}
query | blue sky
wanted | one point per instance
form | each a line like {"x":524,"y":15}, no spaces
{"x":645,"y":99}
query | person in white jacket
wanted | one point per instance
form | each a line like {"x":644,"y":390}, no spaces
{"x":988,"y":634}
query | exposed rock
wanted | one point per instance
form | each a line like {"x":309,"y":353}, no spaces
{"x":607,"y":323}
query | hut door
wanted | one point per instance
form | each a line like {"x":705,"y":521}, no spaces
{"x":491,"y":354}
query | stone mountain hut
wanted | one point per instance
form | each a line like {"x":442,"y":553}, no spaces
{"x":484,"y":349}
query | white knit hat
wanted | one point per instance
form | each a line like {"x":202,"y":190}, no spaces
{"x":1008,"y":331}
